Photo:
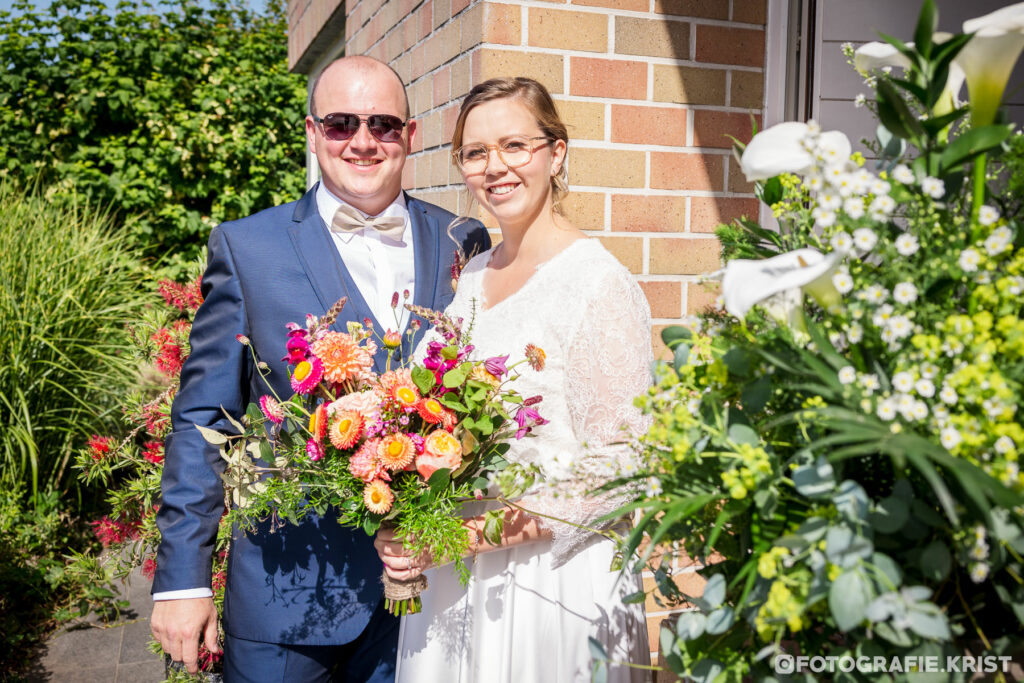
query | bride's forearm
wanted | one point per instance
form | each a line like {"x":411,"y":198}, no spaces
{"x":519,"y":528}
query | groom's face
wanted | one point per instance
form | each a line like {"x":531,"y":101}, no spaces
{"x":362,"y":170}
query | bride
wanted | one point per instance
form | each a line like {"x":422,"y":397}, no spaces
{"x":534,"y":600}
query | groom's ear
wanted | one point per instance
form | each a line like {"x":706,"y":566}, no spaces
{"x":410,"y":126}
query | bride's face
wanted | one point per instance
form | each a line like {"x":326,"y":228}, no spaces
{"x":521,"y":192}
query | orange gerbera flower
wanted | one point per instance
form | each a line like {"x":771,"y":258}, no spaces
{"x":377,"y":497}
{"x":396,"y":451}
{"x":398,"y":384}
{"x":431,"y":410}
{"x":318,"y":422}
{"x":342,"y":357}
{"x":346,"y":428}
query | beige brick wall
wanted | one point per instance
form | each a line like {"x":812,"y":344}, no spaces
{"x":651,"y":90}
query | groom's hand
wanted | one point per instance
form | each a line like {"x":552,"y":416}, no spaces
{"x":398,"y":563}
{"x":179,"y":625}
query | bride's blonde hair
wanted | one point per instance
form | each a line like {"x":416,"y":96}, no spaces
{"x":536,"y":98}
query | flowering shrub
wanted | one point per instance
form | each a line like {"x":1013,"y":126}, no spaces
{"x":130,"y":468}
{"x":842,"y":440}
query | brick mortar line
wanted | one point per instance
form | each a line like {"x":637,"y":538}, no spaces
{"x":585,"y":143}
{"x":635,"y":14}
{"x":617,"y":57}
{"x":661,"y":192}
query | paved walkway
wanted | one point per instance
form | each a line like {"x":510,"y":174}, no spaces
{"x":99,"y":653}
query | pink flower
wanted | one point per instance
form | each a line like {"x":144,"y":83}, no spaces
{"x":496,"y":365}
{"x":440,"y":451}
{"x":366,"y":403}
{"x":527,"y":418}
{"x":364,"y":464}
{"x":272,"y":409}
{"x":314,"y":451}
{"x":307,"y":375}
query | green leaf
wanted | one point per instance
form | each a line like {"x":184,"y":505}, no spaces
{"x":494,"y":524}
{"x":851,"y":501}
{"x":972,"y":143}
{"x":439,"y":481}
{"x":889,"y":568}
{"x":423,"y":379}
{"x":898,"y":637}
{"x":771,"y":191}
{"x":714,"y":591}
{"x":212,"y":436}
{"x":674,"y":335}
{"x":815,"y":480}
{"x":706,"y":670}
{"x":720,"y":621}
{"x":690,"y":625}
{"x":597,"y":650}
{"x":744,"y":434}
{"x":681,"y":356}
{"x":927,"y":22}
{"x":455,"y":377}
{"x":936,"y":561}
{"x":928,"y":621}
{"x":889,"y":515}
{"x":894,"y":113}
{"x":848,"y":597}
{"x":634,"y":598}
{"x":739,"y":361}
{"x":756,"y":394}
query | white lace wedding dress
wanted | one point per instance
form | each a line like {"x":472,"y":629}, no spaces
{"x":527,"y":612}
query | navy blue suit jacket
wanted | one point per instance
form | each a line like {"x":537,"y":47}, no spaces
{"x":317,"y":583}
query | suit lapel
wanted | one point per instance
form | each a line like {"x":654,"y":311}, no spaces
{"x":323,"y":265}
{"x":427,"y":235}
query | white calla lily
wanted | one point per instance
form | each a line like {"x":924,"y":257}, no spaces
{"x":876,"y":55}
{"x":784,"y":148}
{"x":989,"y":57}
{"x":747,"y":282}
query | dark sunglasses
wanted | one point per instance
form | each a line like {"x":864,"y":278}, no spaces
{"x":342,"y":126}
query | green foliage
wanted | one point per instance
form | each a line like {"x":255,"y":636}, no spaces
{"x":846,"y":464}
{"x":177,"y":118}
{"x":67,"y":286}
{"x":33,"y":577}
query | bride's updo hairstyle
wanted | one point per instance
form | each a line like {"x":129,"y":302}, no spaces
{"x":537,"y":100}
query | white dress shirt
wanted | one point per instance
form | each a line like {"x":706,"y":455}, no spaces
{"x":380,"y":266}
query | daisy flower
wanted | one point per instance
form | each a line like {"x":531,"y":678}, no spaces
{"x":847,"y":375}
{"x":855,"y":333}
{"x":949,"y":438}
{"x":307,"y":375}
{"x":903,"y":174}
{"x":907,"y":245}
{"x":1004,"y":445}
{"x":842,"y":281}
{"x":933,"y":187}
{"x":860,"y":100}
{"x":824,"y":218}
{"x":854,"y":207}
{"x":988,"y":215}
{"x":841,"y":241}
{"x":345,"y":429}
{"x":969,"y":260}
{"x":396,"y":451}
{"x":865,"y":239}
{"x":903,"y":382}
{"x":886,"y":410}
{"x":905,"y":293}
{"x":377,"y":497}
{"x":979,"y":572}
{"x":924,"y":387}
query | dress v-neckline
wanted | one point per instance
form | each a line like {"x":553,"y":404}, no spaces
{"x":486,"y":307}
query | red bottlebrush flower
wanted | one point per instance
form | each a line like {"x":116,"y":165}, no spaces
{"x":109,"y":531}
{"x":169,"y":356}
{"x":100,"y":446}
{"x":218,"y":581}
{"x":184,"y":297}
{"x":149,"y":568}
{"x":153,"y":451}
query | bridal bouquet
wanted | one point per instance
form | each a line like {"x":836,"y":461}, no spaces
{"x":404,"y":448}
{"x":840,"y":445}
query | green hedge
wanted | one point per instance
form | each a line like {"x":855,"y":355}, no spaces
{"x":177,"y":116}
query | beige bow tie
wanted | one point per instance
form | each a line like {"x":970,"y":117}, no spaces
{"x":348,"y":219}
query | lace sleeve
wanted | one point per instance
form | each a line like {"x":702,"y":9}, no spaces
{"x":608,"y":363}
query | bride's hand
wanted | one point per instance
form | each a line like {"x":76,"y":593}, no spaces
{"x":398,"y":562}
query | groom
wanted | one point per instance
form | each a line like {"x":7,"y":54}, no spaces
{"x":302,"y":603}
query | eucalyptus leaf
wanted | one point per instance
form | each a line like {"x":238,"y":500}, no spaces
{"x":896,"y":636}
{"x":674,"y":335}
{"x":889,"y":569}
{"x":706,"y":670}
{"x":739,"y":361}
{"x":744,"y":434}
{"x":756,"y":394}
{"x":936,"y":561}
{"x":681,"y":356}
{"x":848,"y":598}
{"x":720,"y":621}
{"x":212,"y":436}
{"x":815,"y":480}
{"x":690,"y":625}
{"x":928,"y":621}
{"x":889,"y":515}
{"x":852,"y":501}
{"x":714,"y":590}
{"x":597,"y":650}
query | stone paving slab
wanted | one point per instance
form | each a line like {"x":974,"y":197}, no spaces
{"x":104,"y":653}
